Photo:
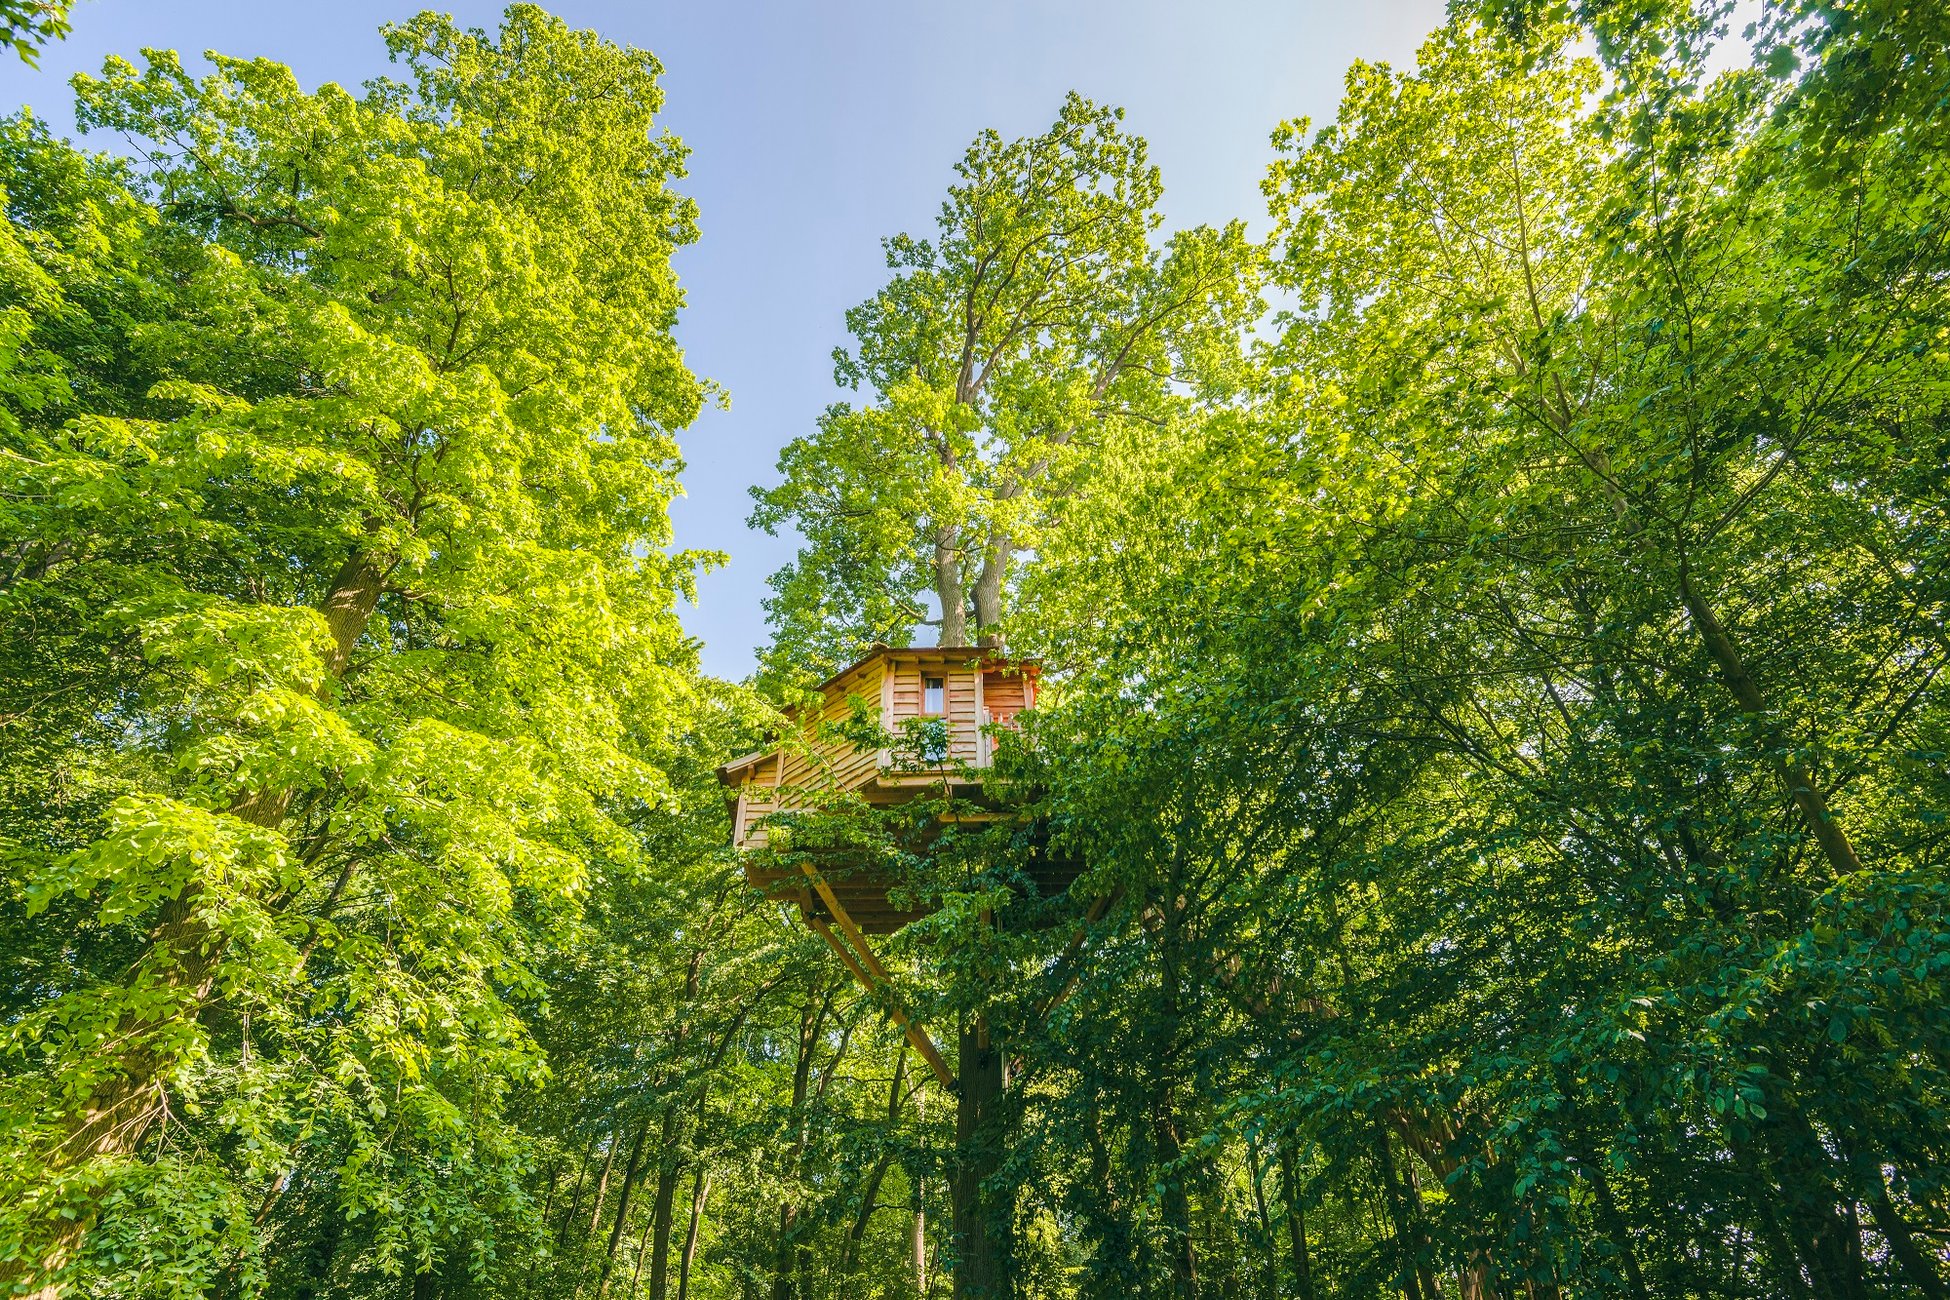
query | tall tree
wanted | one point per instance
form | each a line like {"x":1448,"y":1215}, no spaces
{"x":1046,"y":310}
{"x":1525,"y":709}
{"x":336,"y":480}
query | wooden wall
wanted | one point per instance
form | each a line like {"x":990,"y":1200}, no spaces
{"x":891,"y":687}
{"x":961,"y":690}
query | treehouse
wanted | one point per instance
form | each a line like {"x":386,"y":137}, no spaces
{"x":939,"y":711}
{"x":898,"y":724}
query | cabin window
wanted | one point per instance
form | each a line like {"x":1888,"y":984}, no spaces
{"x":934,"y":696}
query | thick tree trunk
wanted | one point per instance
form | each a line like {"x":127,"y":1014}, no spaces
{"x":1433,"y":1138}
{"x":988,"y":590}
{"x":182,"y":960}
{"x":948,"y":586}
{"x":982,"y":1228}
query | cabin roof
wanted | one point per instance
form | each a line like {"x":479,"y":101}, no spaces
{"x":941,"y":654}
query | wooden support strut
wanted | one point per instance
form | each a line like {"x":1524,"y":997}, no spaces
{"x":872,"y":975}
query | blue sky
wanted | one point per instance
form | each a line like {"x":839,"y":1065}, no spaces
{"x":817,"y":128}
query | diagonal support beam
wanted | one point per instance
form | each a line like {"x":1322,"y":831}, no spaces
{"x":860,"y":959}
{"x":916,"y":1035}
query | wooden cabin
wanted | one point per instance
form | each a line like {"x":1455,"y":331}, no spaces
{"x":958,"y":699}
{"x":969,"y":694}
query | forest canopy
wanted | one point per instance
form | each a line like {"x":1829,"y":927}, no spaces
{"x":1489,"y":632}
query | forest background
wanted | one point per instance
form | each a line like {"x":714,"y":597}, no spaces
{"x":1492,"y":626}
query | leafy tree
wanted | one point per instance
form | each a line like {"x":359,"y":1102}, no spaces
{"x":1494,"y":704}
{"x":1045,"y":313}
{"x":1516,"y":735}
{"x":338,"y":620}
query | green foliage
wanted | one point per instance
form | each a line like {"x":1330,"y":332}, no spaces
{"x":1518,"y":747}
{"x":1491,"y":708}
{"x":1045,"y":316}
{"x":26,"y":25}
{"x":340,"y":642}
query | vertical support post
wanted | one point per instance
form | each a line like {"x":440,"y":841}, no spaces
{"x":884,"y":759}
{"x":983,"y":1227}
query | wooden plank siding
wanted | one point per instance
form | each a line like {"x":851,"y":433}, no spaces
{"x":977,"y":689}
{"x":1004,"y":694}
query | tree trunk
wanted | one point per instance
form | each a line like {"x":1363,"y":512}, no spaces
{"x":548,"y":1201}
{"x":811,"y":1017}
{"x":1916,"y":1266}
{"x":661,"y":1211}
{"x":575,"y":1202}
{"x":1407,"y":1245}
{"x":1108,"y":1219}
{"x":850,"y":1256}
{"x":1794,"y":775}
{"x":602,"y":1185}
{"x":782,"y":1279}
{"x":668,"y":1163}
{"x":920,"y":1242}
{"x":1270,"y":1260}
{"x":988,"y":590}
{"x":1617,"y":1229}
{"x":630,"y":1171}
{"x":1418,"y":1219}
{"x":1177,"y":1208}
{"x":699,"y":1190}
{"x":948,"y":586}
{"x":1820,"y":1212}
{"x":982,"y":1227}
{"x":1296,"y":1227}
{"x":642,"y":1252}
{"x":113,"y":1121}
{"x":1433,"y":1137}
